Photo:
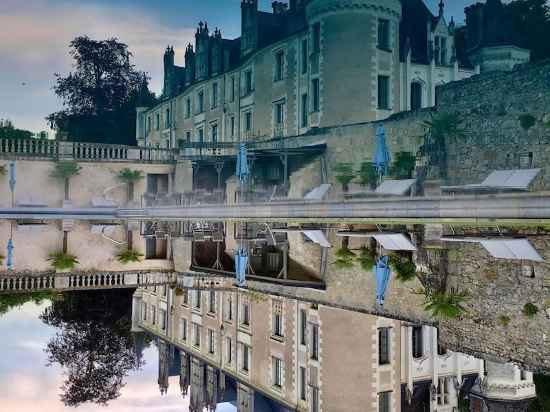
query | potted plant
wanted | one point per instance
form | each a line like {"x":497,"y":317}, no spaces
{"x":344,"y":174}
{"x":64,"y":170}
{"x":129,"y":256}
{"x":62,"y":261}
{"x":130,"y":177}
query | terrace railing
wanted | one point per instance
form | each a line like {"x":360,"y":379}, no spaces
{"x":92,"y":152}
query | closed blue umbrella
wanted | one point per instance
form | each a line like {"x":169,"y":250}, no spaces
{"x":12,"y":176}
{"x":382,"y":157}
{"x":382,"y":275}
{"x":243,"y":170}
{"x":9,"y":260}
{"x":241,"y":263}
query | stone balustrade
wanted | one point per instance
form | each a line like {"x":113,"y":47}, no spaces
{"x":82,"y":152}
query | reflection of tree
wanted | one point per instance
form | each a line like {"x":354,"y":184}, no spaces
{"x":15,"y":300}
{"x":94,"y":344}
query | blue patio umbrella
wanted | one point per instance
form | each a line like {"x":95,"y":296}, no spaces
{"x":241,"y":263}
{"x":243,"y":170}
{"x":9,"y":260}
{"x":382,"y":157}
{"x":382,"y":275}
{"x":12,"y":176}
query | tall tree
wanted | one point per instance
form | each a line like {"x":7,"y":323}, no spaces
{"x":8,"y":131}
{"x":99,"y":97}
{"x":531,"y":19}
{"x":93,"y":345}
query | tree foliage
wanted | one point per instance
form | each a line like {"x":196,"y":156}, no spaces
{"x":129,"y":256}
{"x":99,"y":97}
{"x":8,"y":131}
{"x":443,"y":305}
{"x":63,"y":261}
{"x":65,"y":170}
{"x":366,"y":258}
{"x":403,"y":165}
{"x":531,"y":20}
{"x":93,"y":344}
{"x":15,"y":300}
{"x":405,"y":269}
{"x":344,"y":174}
{"x":128,"y":175}
{"x":367,"y":175}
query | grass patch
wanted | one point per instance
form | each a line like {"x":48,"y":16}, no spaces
{"x":530,"y":310}
{"x":527,"y":121}
{"x":63,"y":261}
{"x":504,"y":320}
{"x":129,"y":256}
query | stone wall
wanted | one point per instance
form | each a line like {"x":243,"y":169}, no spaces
{"x":493,"y":106}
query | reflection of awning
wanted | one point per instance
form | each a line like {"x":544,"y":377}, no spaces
{"x":316,"y":236}
{"x":519,"y":249}
{"x":318,"y":193}
{"x":389,"y":241}
{"x":395,"y":187}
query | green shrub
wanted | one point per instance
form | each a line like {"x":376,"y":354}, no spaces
{"x":343,"y":264}
{"x":367,"y":175}
{"x":504,"y":320}
{"x":527,"y":121}
{"x":345,"y":258}
{"x":367,"y":259}
{"x":344,"y":174}
{"x":129,"y":256}
{"x":530,"y":310}
{"x":405,"y":270}
{"x":1,"y":260}
{"x":130,"y":176}
{"x":444,"y":125}
{"x":3,"y":170}
{"x":65,"y":169}
{"x":445,"y":305}
{"x":403,"y":165}
{"x":63,"y":261}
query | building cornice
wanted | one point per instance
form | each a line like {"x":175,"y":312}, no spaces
{"x":317,"y":8}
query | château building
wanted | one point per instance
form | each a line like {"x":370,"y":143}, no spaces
{"x":318,"y":63}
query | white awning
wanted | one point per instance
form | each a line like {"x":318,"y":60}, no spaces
{"x":389,"y":241}
{"x":395,"y":187}
{"x":519,"y":179}
{"x":317,"y":236}
{"x":318,"y":193}
{"x":517,"y":249}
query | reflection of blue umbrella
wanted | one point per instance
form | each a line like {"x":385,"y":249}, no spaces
{"x":242,"y":163}
{"x":382,"y":276}
{"x":12,"y":176}
{"x":241,"y":263}
{"x":382,"y":157}
{"x":9,"y":261}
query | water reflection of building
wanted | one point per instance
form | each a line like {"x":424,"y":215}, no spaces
{"x":256,"y":350}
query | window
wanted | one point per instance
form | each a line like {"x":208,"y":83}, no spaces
{"x":248,"y":82}
{"x":443,"y":392}
{"x":148,"y":124}
{"x":317,"y":37}
{"x":229,"y":313}
{"x":184,"y":329}
{"x":198,"y":299}
{"x":384,"y":402}
{"x":417,"y":342}
{"x":201,"y":102}
{"x":157,"y":121}
{"x":188,"y":108}
{"x":229,"y":350}
{"x":163,"y":319}
{"x":211,"y":342}
{"x":153,"y":315}
{"x":304,"y":56}
{"x":214,"y":133}
{"x":279,"y":65}
{"x":246,"y":314}
{"x":303,"y":326}
{"x":314,"y":342}
{"x":167,"y":119}
{"x":305,"y":113}
{"x":302,"y":383}
{"x":214,"y":95}
{"x":248,"y":121}
{"x":316,"y":94}
{"x":232,"y":91}
{"x":201,"y":135}
{"x":186,"y":291}
{"x":383,"y":92}
{"x":314,"y":399}
{"x":245,"y":360}
{"x":443,"y":46}
{"x":277,"y":366}
{"x":383,"y":34}
{"x":196,"y":335}
{"x":212,"y":301}
{"x":277,"y":319}
{"x":143,"y":311}
{"x":232,"y":125}
{"x":383,"y":346}
{"x":416,"y":95}
{"x":523,"y":375}
{"x":279,"y":113}
{"x":188,"y":140}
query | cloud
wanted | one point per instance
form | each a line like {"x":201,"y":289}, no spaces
{"x":35,"y":37}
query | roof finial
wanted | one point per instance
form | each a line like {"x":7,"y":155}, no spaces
{"x":441,"y":8}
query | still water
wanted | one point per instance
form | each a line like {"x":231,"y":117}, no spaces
{"x":350,"y":317}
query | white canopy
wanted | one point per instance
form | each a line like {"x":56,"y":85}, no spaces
{"x":316,"y":236}
{"x":389,"y":241}
{"x":318,"y":193}
{"x":518,"y":179}
{"x":518,"y":249}
{"x":395,"y":187}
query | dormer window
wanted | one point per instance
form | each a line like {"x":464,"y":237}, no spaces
{"x":440,"y":50}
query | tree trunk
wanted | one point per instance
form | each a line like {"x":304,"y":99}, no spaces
{"x":130,"y":191}
{"x":65,"y":242}
{"x":66,"y":189}
{"x":130,"y":240}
